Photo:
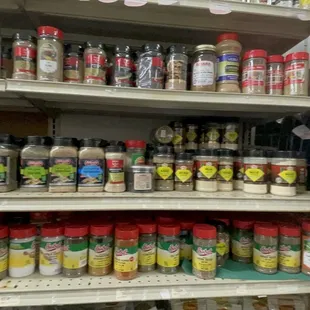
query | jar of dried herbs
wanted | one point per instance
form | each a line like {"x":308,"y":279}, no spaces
{"x":184,"y":170}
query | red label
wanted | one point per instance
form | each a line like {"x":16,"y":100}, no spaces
{"x":26,"y":52}
{"x":115,"y":163}
{"x":72,"y":61}
{"x":295,"y":73}
{"x":157,"y":62}
{"x":123,"y":62}
{"x":95,"y":60}
{"x":274,"y":79}
{"x":254,"y":76}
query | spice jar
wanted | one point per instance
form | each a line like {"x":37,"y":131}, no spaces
{"x":63,"y":166}
{"x":206,"y":166}
{"x":305,"y":266}
{"x":75,"y":251}
{"x":230,"y":136}
{"x":94,"y":63}
{"x":228,"y":51}
{"x":265,"y":251}
{"x":283,"y":173}
{"x":51,"y":249}
{"x":168,"y":248}
{"x":238,"y":170}
{"x":147,"y":246}
{"x":3,"y":251}
{"x":164,"y":163}
{"x":204,"y":251}
{"x":24,"y":57}
{"x":135,"y":152}
{"x":242,"y":241}
{"x":100,"y":250}
{"x":204,"y":68}
{"x":289,"y":249}
{"x":296,"y":74}
{"x":275,"y":75}
{"x":141,"y":179}
{"x":255,"y":171}
{"x":22,"y":251}
{"x":115,"y":159}
{"x":126,"y":252}
{"x":184,"y":169}
{"x":191,"y":142}
{"x":50,"y":54}
{"x":186,"y":240}
{"x":73,"y":63}
{"x":211,"y":137}
{"x":254,"y":72}
{"x":178,"y":140}
{"x":177,"y":61}
{"x":225,"y":170}
{"x":163,"y":135}
{"x":150,"y":71}
{"x":6,"y":63}
{"x":301,"y":169}
{"x":222,"y":240}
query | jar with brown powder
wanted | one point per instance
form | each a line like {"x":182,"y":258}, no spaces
{"x":73,"y":63}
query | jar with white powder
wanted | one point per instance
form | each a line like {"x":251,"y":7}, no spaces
{"x":283,"y":173}
{"x":225,"y":170}
{"x":255,"y":171}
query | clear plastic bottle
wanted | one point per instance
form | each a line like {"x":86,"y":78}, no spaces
{"x":225,"y":170}
{"x":186,"y":240}
{"x":184,"y":170}
{"x":122,"y":67}
{"x":3,"y":251}
{"x":73,"y":63}
{"x":275,"y":75}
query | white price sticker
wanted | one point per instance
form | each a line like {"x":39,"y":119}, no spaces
{"x":220,"y":8}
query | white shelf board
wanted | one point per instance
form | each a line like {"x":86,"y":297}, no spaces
{"x":36,"y":290}
{"x":219,"y":201}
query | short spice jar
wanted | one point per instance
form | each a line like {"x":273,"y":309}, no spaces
{"x":4,"y":232}
{"x":204,"y":251}
{"x":210,"y":138}
{"x":305,"y":266}
{"x":73,"y":63}
{"x":301,"y":169}
{"x":265,"y":250}
{"x":168,"y":248}
{"x":225,"y":170}
{"x":230,"y":136}
{"x":75,"y":251}
{"x":100,"y":252}
{"x":178,"y":140}
{"x":141,"y":179}
{"x":275,"y":75}
{"x":186,"y":239}
{"x":51,"y":249}
{"x":184,"y":170}
{"x":289,"y":248}
{"x":238,"y":170}
{"x":135,"y":152}
{"x":22,"y":251}
{"x":126,"y":251}
{"x":191,"y":137}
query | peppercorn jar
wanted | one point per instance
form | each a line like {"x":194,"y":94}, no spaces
{"x":177,"y":61}
{"x":3,"y":251}
{"x":275,"y":75}
{"x":100,"y":252}
{"x":254,"y":72}
{"x":24,"y":57}
{"x":150,"y":70}
{"x":204,"y":251}
{"x":184,"y":170}
{"x":186,"y":240}
{"x":305,"y":266}
{"x":75,"y":251}
{"x":225,"y":170}
{"x":73,"y":63}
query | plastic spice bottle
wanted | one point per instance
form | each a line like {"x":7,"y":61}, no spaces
{"x":24,"y":57}
{"x":178,"y":140}
{"x":168,"y":248}
{"x":301,"y":169}
{"x":305,"y":267}
{"x":73,"y":63}
{"x":186,"y":240}
{"x":238,"y":170}
{"x":100,"y":251}
{"x":242,"y":241}
{"x":184,"y":169}
{"x":204,"y":251}
{"x":275,"y":75}
{"x":3,"y":251}
{"x":22,"y":251}
{"x":254,"y":72}
{"x":75,"y":251}
{"x":141,"y":179}
{"x":135,"y":152}
{"x":191,"y":137}
{"x":126,"y":252}
{"x":296,"y":74}
{"x":230,"y":136}
{"x":228,"y":51}
{"x":147,"y":246}
{"x":225,"y":170}
{"x":265,"y":250}
{"x":51,"y":249}
{"x":222,"y":240}
{"x":211,"y":136}
{"x":289,"y":249}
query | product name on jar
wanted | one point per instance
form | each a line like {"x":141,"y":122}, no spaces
{"x":35,"y":163}
{"x":102,"y":248}
{"x":91,"y":163}
{"x":204,"y":252}
{"x":148,"y":247}
{"x":121,"y":252}
{"x":284,"y":247}
{"x":63,"y":161}
{"x":173,"y":248}
{"x":267,"y":250}
{"x":245,"y":240}
{"x":52,"y":246}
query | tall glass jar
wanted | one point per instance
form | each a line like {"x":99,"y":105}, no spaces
{"x":184,"y":169}
{"x":73,"y":63}
{"x":230,"y":136}
{"x":275,"y":75}
{"x":225,"y":170}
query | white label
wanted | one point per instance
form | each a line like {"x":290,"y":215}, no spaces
{"x":48,"y":66}
{"x":135,"y":3}
{"x":203,"y":73}
{"x":220,"y":8}
{"x":142,"y":181}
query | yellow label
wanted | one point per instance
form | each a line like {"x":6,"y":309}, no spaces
{"x":265,"y":257}
{"x":177,"y":139}
{"x":168,"y":254}
{"x":117,"y":177}
{"x":305,"y":3}
{"x":204,"y":259}
{"x":221,"y":248}
{"x":183,"y":174}
{"x":147,"y":253}
{"x":51,"y":254}
{"x":100,"y":258}
{"x":208,"y":171}
{"x":231,"y":136}
{"x":289,"y":255}
{"x":191,"y":136}
{"x":75,"y":260}
{"x":242,"y":249}
{"x":213,"y":135}
{"x":288,"y":175}
{"x":164,"y":172}
{"x":226,"y":174}
{"x":126,"y":259}
{"x":186,"y":251}
{"x":3,"y":259}
{"x":241,"y":170}
{"x":254,"y":174}
{"x":22,"y":254}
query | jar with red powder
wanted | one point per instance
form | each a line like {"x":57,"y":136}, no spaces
{"x":275,"y":75}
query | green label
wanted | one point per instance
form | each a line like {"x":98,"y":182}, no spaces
{"x":34,"y":172}
{"x":63,"y":171}
{"x":244,"y":237}
{"x":170,"y":247}
{"x":186,"y":239}
{"x":137,"y":159}
{"x":22,"y":246}
{"x":3,"y":169}
{"x":75,"y":247}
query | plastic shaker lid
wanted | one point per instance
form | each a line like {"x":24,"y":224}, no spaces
{"x":126,"y":232}
{"x":164,"y":149}
{"x":179,"y":49}
{"x":172,"y":229}
{"x":146,"y":227}
{"x":76,"y":230}
{"x":297,"y":56}
{"x":122,"y":49}
{"x":204,"y":231}
{"x":23,"y":231}
{"x":187,"y":225}
{"x":184,"y":156}
{"x":225,"y":153}
{"x":275,"y":58}
{"x":52,"y":230}
{"x":23,"y":37}
{"x":268,"y":230}
{"x":306,"y":225}
{"x":101,"y":229}
{"x":255,"y":54}
{"x":48,"y":30}
{"x":290,"y":230}
{"x":227,"y":36}
{"x":241,"y":224}
{"x":115,"y":149}
{"x":135,"y":144}
{"x":4,"y":231}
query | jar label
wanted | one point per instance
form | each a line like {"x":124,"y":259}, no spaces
{"x":212,"y":135}
{"x":230,"y":137}
{"x":115,"y":171}
{"x":221,"y":248}
{"x":25,"y":59}
{"x":72,"y":69}
{"x":191,"y":135}
{"x":228,"y":67}
{"x":168,"y":254}
{"x":295,"y":73}
{"x":62,"y":171}
{"x":123,"y":71}
{"x":164,"y":171}
{"x":204,"y":258}
{"x":301,"y":175}
{"x":51,"y":255}
{"x":203,"y":73}
{"x":238,"y":170}
{"x":147,"y":253}
{"x":283,"y":175}
{"x":48,"y":58}
{"x":21,"y":254}
{"x":225,"y":173}
{"x":242,"y":244}
{"x":255,"y":173}
{"x":3,"y":257}
{"x":34,"y":173}
{"x":186,"y":246}
{"x":274,"y":79}
{"x":142,"y":181}
{"x":100,"y":254}
{"x":265,"y":256}
{"x":95,"y":67}
{"x":183,"y":173}
{"x":137,"y":159}
{"x":206,"y":170}
{"x":177,"y":140}
{"x":254,"y":76}
{"x":91,"y":172}
{"x":150,"y":72}
{"x":126,"y":259}
{"x":4,"y":169}
{"x":289,"y":255}
{"x":75,"y":255}
{"x":306,"y":252}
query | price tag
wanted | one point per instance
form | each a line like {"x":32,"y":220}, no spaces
{"x":135,"y":3}
{"x":303,"y":16}
{"x":6,"y":301}
{"x":220,"y":8}
{"x":167,"y":2}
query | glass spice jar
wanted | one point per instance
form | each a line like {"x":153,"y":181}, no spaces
{"x":223,"y":240}
{"x":275,"y":75}
{"x":305,"y":266}
{"x":3,"y":251}
{"x":135,"y":152}
{"x":191,"y":137}
{"x":73,"y":63}
{"x":186,"y":240}
{"x":212,"y":135}
{"x":230,"y":136}
{"x":184,"y":169}
{"x":141,"y":179}
{"x":225,"y":170}
{"x":178,"y":140}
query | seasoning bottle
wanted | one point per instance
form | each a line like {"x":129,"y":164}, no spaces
{"x":164,"y":163}
{"x":275,"y":75}
{"x":100,"y":251}
{"x":141,"y":179}
{"x":178,"y":140}
{"x":305,"y":266}
{"x":168,"y":248}
{"x":63,"y":166}
{"x":91,"y":166}
{"x":51,"y":249}
{"x":186,"y":240}
{"x":289,"y":249}
{"x":222,"y":240}
{"x":211,"y":137}
{"x":301,"y":169}
{"x":230,"y":136}
{"x":94,"y":63}
{"x":184,"y":170}
{"x":147,"y":246}
{"x":204,"y":251}
{"x":22,"y":251}
{"x":50,"y":54}
{"x":238,"y":170}
{"x":73,"y":63}
{"x":242,"y":241}
{"x":115,"y":159}
{"x":225,"y":170}
{"x":3,"y":251}
{"x":75,"y":251}
{"x":265,"y":250}
{"x":24,"y":57}
{"x":126,"y":252}
{"x":191,"y":142}
{"x":122,"y":67}
{"x":135,"y":152}
{"x":177,"y":61}
{"x":6,"y":63}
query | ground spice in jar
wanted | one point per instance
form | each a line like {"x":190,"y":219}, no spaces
{"x":305,"y":267}
{"x":184,"y":170}
{"x":230,"y":136}
{"x":225,"y":170}
{"x":275,"y":75}
{"x":265,"y":250}
{"x":186,"y":240}
{"x":73,"y":63}
{"x":3,"y":251}
{"x":238,"y":170}
{"x":204,"y":251}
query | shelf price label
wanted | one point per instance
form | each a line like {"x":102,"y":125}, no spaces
{"x":167,"y":2}
{"x":135,"y":3}
{"x":219,"y":8}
